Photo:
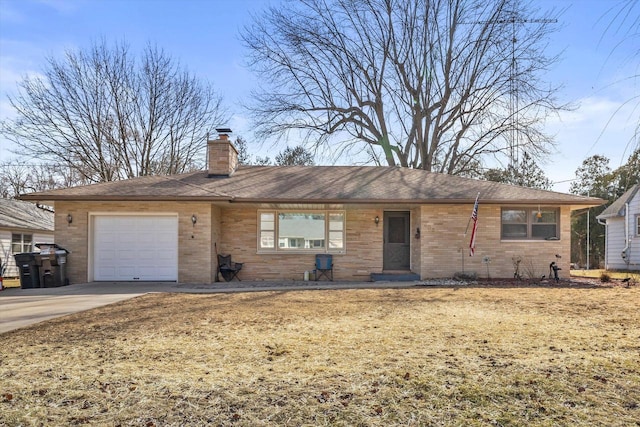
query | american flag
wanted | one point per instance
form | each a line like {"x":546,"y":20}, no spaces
{"x":474,"y":217}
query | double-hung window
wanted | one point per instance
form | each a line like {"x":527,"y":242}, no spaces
{"x":315,"y":231}
{"x":637,"y":225}
{"x":530,"y":223}
{"x":21,"y":243}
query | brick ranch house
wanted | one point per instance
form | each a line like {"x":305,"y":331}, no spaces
{"x":275,"y":219}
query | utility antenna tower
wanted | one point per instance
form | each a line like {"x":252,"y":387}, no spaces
{"x":515,"y":20}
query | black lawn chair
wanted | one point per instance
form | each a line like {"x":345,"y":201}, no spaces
{"x":228,"y":268}
{"x":324,"y":266}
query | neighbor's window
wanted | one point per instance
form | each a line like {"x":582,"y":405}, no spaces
{"x":313,"y":231}
{"x":530,"y":223}
{"x":21,"y":243}
{"x":637,"y":225}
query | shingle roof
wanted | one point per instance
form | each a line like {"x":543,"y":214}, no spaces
{"x":24,"y":215}
{"x":314,"y":184}
{"x":617,"y":207}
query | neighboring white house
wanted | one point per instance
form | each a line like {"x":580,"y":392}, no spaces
{"x":622,"y":235}
{"x":22,"y":225}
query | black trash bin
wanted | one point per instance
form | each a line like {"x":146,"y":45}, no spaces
{"x":28,"y":266}
{"x":52,"y":263}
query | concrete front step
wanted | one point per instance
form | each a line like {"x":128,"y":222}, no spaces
{"x":395,"y":277}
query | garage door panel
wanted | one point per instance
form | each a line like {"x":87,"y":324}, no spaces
{"x":159,"y":273}
{"x":125,"y":273}
{"x":145,"y":257}
{"x":135,"y":248}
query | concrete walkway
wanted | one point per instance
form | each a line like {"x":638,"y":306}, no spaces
{"x":23,"y":307}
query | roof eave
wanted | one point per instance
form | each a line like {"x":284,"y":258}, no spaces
{"x":611,"y":215}
{"x":581,"y":204}
{"x":113,"y":198}
{"x":25,"y":228}
{"x":47,"y":198}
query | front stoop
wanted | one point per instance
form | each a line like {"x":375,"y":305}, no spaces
{"x":407,"y":276}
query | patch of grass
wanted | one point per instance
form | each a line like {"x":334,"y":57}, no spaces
{"x":456,"y":356}
{"x":596,"y":274}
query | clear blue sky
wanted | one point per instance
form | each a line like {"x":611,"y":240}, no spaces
{"x":203,"y":36}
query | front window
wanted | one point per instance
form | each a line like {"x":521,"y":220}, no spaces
{"x":313,"y":231}
{"x":21,"y":243}
{"x":267,"y":230}
{"x":530,"y":223}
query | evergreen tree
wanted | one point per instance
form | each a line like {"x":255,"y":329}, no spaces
{"x":295,"y":156}
{"x":526,"y":174}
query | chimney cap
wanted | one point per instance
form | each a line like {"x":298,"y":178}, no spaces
{"x":223,"y":130}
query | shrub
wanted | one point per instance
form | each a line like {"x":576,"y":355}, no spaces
{"x":605,"y":277}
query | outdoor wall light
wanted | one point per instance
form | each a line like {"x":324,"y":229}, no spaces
{"x":69,"y":219}
{"x":417,"y":233}
{"x":194,"y":219}
{"x":376,"y":220}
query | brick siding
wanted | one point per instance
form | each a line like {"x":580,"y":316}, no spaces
{"x":233,"y":230}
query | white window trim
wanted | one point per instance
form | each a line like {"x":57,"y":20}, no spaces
{"x":529,"y":210}
{"x":277,"y":249}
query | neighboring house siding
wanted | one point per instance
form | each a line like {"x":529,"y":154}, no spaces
{"x":5,"y":252}
{"x":616,"y":238}
{"x":634,"y":211}
{"x":8,"y":260}
{"x":615,"y":243}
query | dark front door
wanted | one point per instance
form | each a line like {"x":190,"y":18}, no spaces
{"x":396,"y":241}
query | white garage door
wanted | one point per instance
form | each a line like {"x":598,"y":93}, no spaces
{"x":135,"y":248}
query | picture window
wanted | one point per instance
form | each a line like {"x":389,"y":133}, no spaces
{"x":317,"y":231}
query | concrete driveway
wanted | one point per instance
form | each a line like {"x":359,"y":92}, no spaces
{"x":23,"y":307}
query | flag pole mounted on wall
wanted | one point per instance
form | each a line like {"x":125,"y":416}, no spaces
{"x":474,"y":218}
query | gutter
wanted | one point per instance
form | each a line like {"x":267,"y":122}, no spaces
{"x":625,"y":251}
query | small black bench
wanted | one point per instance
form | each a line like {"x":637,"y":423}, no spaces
{"x":228,"y":268}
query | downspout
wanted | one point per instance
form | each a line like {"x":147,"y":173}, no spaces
{"x":625,"y":251}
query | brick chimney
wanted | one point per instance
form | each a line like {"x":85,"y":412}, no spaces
{"x":222,"y":155}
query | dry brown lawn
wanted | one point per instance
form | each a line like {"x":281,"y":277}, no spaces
{"x":413,"y":357}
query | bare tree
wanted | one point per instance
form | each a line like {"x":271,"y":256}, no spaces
{"x":418,"y":83}
{"x":17,"y":178}
{"x":108,"y":116}
{"x":13,"y":180}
